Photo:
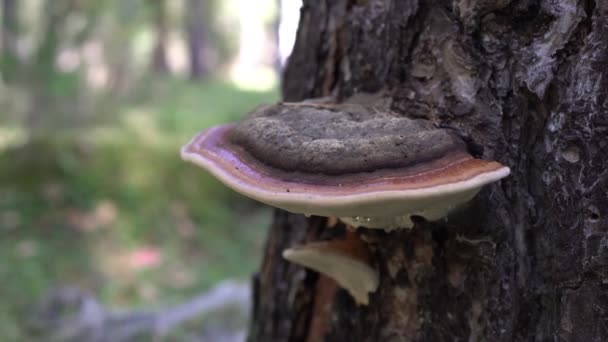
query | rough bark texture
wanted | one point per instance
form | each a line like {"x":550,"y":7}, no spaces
{"x":525,"y":83}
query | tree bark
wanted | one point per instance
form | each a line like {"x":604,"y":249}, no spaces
{"x":197,"y":39}
{"x":525,"y":83}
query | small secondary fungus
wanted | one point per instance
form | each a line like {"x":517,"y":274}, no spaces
{"x":368,"y":167}
{"x":348,"y":262}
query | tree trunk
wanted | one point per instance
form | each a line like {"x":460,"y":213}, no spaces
{"x":525,"y":83}
{"x":197,"y":39}
{"x":159,"y":55}
{"x":9,"y":27}
{"x":43,"y":71}
{"x":9,"y":57}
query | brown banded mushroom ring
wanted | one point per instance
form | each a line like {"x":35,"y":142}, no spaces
{"x":384,"y":198}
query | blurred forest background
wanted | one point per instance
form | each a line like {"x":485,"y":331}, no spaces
{"x":96,"y":98}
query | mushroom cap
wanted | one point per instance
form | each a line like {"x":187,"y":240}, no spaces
{"x":348,"y":262}
{"x":293,"y":157}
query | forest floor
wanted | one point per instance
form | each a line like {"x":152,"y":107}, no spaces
{"x":112,"y":208}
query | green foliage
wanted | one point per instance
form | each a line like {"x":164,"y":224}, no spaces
{"x":92,"y":190}
{"x":77,"y":208}
{"x":9,"y":67}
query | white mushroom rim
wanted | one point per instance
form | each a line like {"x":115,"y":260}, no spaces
{"x":385,"y":208}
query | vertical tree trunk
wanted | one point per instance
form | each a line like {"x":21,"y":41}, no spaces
{"x":9,"y":58}
{"x":159,"y":55}
{"x":9,"y":27}
{"x":43,"y":70}
{"x":526,"y":83}
{"x":121,"y":59}
{"x":276,"y":63}
{"x":197,"y":39}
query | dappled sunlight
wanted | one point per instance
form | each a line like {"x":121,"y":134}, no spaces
{"x":98,"y":77}
{"x":290,"y":16}
{"x":11,"y":136}
{"x":68,"y":60}
{"x":143,"y":125}
{"x":26,"y":249}
{"x":102,"y":215}
{"x":253,"y":68}
{"x":105,"y":135}
{"x":254,"y":79}
{"x":177,"y":56}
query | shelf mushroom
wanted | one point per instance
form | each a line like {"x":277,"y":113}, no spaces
{"x":347,"y":261}
{"x":369,"y":168}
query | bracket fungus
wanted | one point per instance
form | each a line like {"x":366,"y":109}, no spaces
{"x":369,"y":167}
{"x":348,"y":262}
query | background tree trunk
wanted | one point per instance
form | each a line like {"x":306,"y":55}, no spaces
{"x":159,"y":56}
{"x":9,"y":57}
{"x":525,"y":83}
{"x":197,"y":39}
{"x":43,"y":69}
{"x":9,"y":27}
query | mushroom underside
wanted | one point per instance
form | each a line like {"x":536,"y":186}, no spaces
{"x":354,"y":275}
